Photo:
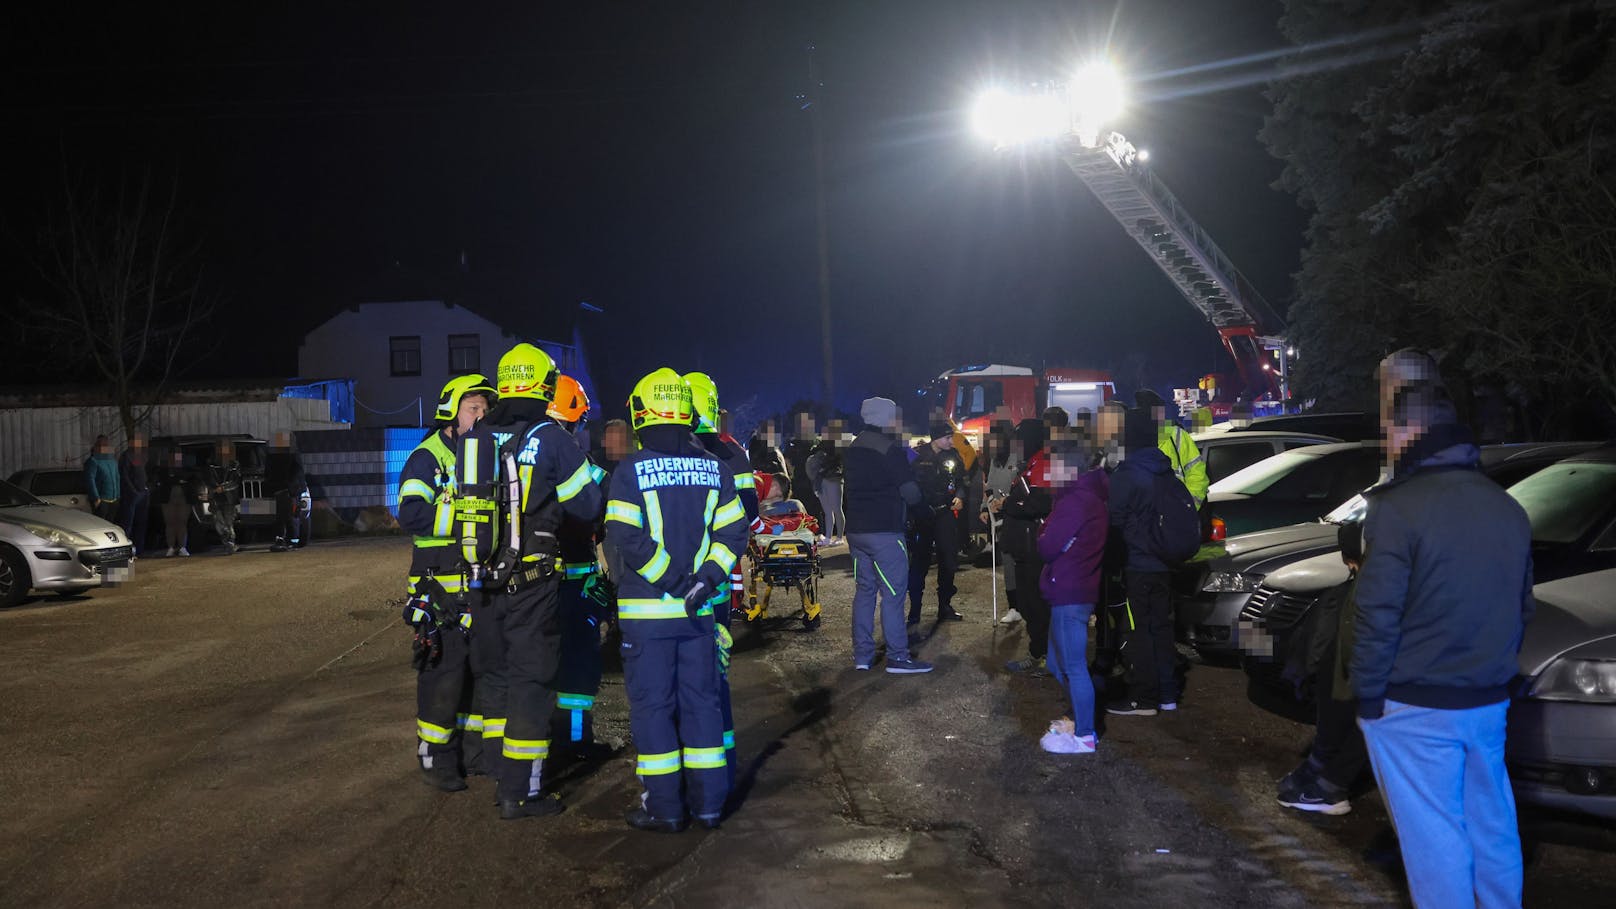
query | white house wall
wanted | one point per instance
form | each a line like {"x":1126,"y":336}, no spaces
{"x":61,"y":436}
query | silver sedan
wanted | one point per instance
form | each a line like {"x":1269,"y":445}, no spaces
{"x":62,"y":550}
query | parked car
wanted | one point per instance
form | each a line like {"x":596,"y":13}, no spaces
{"x":1561,"y":746}
{"x":1572,"y":508}
{"x":62,"y":486}
{"x":1226,"y":453}
{"x":1211,"y":600}
{"x":48,"y":547}
{"x":1348,"y":427}
{"x":1303,"y":484}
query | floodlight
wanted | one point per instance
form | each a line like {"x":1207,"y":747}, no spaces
{"x":1012,"y":119}
{"x":1097,"y":98}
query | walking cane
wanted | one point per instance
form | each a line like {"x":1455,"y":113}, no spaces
{"x":993,"y":560}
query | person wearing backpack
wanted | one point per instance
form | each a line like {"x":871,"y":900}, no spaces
{"x":1156,"y":518}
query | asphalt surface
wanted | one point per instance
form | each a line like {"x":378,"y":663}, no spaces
{"x":239,"y":730}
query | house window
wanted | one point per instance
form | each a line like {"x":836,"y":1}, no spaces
{"x":405,"y":355}
{"x":465,"y":354}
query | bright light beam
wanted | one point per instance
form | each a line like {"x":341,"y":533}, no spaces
{"x":1012,"y":119}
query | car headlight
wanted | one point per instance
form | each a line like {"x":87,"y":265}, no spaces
{"x":54,"y":535}
{"x":1592,"y":681}
{"x":1229,"y":582}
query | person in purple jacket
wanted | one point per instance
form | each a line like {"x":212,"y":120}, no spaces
{"x":1072,"y":544}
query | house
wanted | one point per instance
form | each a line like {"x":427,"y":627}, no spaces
{"x":400,"y":354}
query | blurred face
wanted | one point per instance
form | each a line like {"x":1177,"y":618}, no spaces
{"x":227,"y":453}
{"x":102,"y":446}
{"x":1397,"y":372}
{"x":177,"y":459}
{"x":1064,"y":469}
{"x":138,"y":443}
{"x":472,"y":409}
{"x":805,"y":425}
{"x":615,"y":439}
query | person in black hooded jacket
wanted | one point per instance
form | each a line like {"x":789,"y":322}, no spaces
{"x":1151,"y":656}
{"x":1025,"y":508}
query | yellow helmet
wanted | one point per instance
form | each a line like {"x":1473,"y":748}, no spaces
{"x":704,"y":398}
{"x":660,"y":399}
{"x":527,"y":372}
{"x":570,"y":403}
{"x":457,"y":388}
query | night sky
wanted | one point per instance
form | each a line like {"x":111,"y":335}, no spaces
{"x":654,"y":160}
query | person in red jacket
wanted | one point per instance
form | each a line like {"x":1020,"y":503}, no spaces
{"x":1072,"y":545}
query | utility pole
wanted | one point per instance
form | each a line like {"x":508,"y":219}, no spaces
{"x":811,"y":103}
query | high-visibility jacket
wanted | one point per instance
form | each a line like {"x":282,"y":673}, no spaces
{"x":426,"y":490}
{"x":1188,"y":465}
{"x":726,"y":449}
{"x":676,"y":519}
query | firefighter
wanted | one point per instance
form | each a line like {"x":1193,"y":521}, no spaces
{"x":704,"y":401}
{"x":584,"y":600}
{"x":676,"y":519}
{"x":518,"y":472}
{"x":437,"y":604}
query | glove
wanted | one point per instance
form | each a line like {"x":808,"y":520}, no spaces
{"x":726,"y":642}
{"x":427,"y":649}
{"x":695,"y":598}
{"x":598,"y":591}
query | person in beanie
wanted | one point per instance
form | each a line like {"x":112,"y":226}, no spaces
{"x":1441,"y":610}
{"x":879,"y":489}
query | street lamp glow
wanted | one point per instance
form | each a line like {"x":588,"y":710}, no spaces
{"x":1097,"y":98}
{"x":1012,"y":119}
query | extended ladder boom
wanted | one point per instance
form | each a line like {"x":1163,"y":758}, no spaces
{"x":1149,"y":212}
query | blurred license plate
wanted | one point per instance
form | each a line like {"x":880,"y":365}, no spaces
{"x":115,"y":572}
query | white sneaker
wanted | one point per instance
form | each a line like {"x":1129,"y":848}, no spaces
{"x":1064,"y":726}
{"x":1066,"y":743}
{"x":1010,"y":618}
{"x":171,"y":551}
{"x":185,"y":553}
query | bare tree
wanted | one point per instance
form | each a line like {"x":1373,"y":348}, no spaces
{"x":123,"y":296}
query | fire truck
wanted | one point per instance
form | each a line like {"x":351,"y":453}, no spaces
{"x":972,"y":397}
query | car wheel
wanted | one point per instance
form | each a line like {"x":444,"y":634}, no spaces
{"x":14,"y":577}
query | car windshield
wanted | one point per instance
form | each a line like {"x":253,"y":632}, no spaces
{"x":1349,"y":512}
{"x":1250,"y":481}
{"x":1564,"y":501}
{"x":13,"y":497}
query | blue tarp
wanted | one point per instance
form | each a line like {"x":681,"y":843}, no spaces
{"x":339,"y":392}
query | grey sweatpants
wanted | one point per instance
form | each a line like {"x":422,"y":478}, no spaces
{"x":830,"y":496}
{"x":880,"y":574}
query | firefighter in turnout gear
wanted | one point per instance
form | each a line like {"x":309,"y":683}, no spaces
{"x":676,"y":519}
{"x":437,"y":607}
{"x":518,"y":473}
{"x":584,"y":600}
{"x":704,"y":401}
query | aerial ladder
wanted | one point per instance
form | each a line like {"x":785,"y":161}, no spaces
{"x":1116,"y":172}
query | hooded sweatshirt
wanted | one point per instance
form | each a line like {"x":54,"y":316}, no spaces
{"x":1072,"y":543}
{"x":1132,"y":492}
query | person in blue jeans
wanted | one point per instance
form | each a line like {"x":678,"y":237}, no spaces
{"x":1441,"y":610}
{"x":1072,"y":545}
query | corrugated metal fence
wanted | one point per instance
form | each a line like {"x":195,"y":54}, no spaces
{"x":36,"y":437}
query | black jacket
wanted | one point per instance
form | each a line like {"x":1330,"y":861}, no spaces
{"x":941,"y":475}
{"x":878,"y":484}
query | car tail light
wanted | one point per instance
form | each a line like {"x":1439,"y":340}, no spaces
{"x":1218,"y":530}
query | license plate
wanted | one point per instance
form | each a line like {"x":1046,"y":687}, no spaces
{"x":257,"y":506}
{"x":115,"y":572}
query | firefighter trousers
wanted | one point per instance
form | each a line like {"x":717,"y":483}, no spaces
{"x":578,"y":680}
{"x":516,"y":651}
{"x":677,"y":723}
{"x":449,"y":733}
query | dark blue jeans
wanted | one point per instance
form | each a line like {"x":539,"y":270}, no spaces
{"x":1069,"y":660}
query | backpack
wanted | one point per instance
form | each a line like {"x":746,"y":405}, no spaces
{"x":1173,"y":524}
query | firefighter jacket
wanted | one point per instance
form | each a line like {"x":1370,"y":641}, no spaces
{"x":426,"y":490}
{"x":941,"y":475}
{"x":578,"y":536}
{"x":676,"y":519}
{"x":729,"y":451}
{"x":1188,"y":465}
{"x":517,"y":474}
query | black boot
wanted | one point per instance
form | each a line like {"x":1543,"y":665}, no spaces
{"x":444,"y":779}
{"x":538,"y":806}
{"x":640,"y":819}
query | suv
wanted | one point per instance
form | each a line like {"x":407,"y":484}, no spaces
{"x":1229,"y":452}
{"x":257,"y":508}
